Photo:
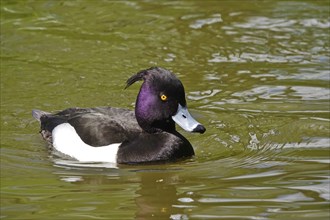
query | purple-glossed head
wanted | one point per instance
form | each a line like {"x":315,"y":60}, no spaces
{"x":161,"y":102}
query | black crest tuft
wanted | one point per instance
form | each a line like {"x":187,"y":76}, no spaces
{"x":141,"y":75}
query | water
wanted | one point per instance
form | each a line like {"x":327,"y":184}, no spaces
{"x":256,"y":75}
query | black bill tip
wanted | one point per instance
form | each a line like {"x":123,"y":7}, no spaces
{"x":200,"y":129}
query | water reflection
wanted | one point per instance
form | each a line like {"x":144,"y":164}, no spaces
{"x":153,"y":189}
{"x":157,"y":195}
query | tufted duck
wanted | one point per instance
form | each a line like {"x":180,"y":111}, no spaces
{"x":107,"y":134}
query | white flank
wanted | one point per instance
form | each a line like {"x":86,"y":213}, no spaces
{"x":67,"y":141}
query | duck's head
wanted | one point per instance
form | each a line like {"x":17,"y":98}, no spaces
{"x":161,"y":102}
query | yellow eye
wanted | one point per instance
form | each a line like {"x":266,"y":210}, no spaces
{"x":163,"y":97}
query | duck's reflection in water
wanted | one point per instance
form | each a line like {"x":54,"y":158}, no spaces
{"x":157,"y":195}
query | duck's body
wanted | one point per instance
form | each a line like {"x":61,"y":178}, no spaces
{"x":107,"y":134}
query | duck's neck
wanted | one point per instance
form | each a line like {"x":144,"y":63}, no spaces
{"x":154,"y":126}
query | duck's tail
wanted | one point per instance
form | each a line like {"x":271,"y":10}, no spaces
{"x":37,"y":114}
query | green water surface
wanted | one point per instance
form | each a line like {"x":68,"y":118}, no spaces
{"x":256,"y":74}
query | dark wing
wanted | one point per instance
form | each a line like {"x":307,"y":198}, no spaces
{"x":95,"y":126}
{"x":97,"y":130}
{"x":104,"y":126}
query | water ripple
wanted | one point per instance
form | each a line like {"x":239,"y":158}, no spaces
{"x":257,"y":175}
{"x":199,"y":23}
{"x":295,"y":197}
